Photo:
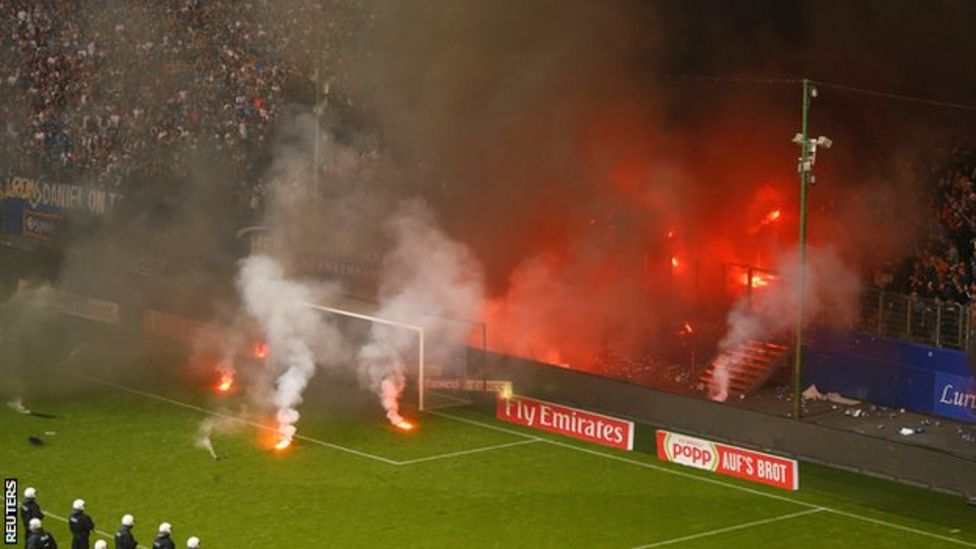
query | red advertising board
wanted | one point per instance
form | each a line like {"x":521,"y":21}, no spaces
{"x":728,"y":460}
{"x":573,"y":422}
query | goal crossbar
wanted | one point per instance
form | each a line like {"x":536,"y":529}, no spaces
{"x":413,"y":327}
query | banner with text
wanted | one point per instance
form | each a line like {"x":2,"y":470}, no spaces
{"x":728,"y":460}
{"x":955,"y":396}
{"x":579,"y":424}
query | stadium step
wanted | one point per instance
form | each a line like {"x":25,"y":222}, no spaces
{"x":747,"y":367}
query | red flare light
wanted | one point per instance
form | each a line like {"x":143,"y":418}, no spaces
{"x":758,"y":281}
{"x":674,"y":261}
{"x":404,"y":425}
{"x":226,"y":382}
{"x":282,"y":444}
{"x":261,"y":351}
{"x":772,"y":217}
{"x":686,"y":329}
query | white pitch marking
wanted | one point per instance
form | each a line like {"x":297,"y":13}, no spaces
{"x":466,"y":452}
{"x":102,"y":532}
{"x":227,"y":416}
{"x":742,"y":526}
{"x":720,"y":483}
{"x":299,"y":436}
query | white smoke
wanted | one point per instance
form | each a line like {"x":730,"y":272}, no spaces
{"x":291,"y":329}
{"x":831,"y":291}
{"x":211,"y":425}
{"x":430,"y":280}
{"x":17,"y":405}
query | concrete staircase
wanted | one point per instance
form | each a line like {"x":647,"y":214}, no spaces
{"x":744,"y":369}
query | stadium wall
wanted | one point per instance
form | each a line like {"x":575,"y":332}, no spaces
{"x":875,"y":456}
{"x":900,"y":374}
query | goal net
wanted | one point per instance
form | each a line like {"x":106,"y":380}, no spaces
{"x":436,"y":369}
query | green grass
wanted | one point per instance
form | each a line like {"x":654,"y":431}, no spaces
{"x":124,"y":453}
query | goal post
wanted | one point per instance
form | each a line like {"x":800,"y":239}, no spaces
{"x":419,"y":330}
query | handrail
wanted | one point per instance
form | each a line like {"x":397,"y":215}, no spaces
{"x":923,"y":320}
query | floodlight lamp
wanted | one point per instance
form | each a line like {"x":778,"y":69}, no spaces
{"x":824,"y":142}
{"x":798,"y":139}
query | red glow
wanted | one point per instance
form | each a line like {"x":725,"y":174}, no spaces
{"x":758,"y":280}
{"x":772,"y":217}
{"x":404,"y":425}
{"x":261,"y":350}
{"x":282,"y":444}
{"x":226,"y":382}
{"x":686,"y":329}
{"x":670,"y":234}
{"x":674,"y":261}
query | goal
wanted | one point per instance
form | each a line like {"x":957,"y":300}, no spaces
{"x":435,"y":384}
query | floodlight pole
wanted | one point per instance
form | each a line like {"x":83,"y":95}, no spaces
{"x":805,"y":168}
{"x":318,"y":123}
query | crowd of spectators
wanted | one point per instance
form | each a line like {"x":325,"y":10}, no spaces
{"x":113,"y":93}
{"x":944,"y":268}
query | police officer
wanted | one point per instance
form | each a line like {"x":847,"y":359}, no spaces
{"x":123,"y":538}
{"x":193,"y":543}
{"x":163,"y":540}
{"x":81,"y":525}
{"x":39,"y":538}
{"x":101,"y":544}
{"x":29,"y":509}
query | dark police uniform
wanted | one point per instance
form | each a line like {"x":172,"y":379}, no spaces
{"x":124,"y":539}
{"x":81,"y":526}
{"x":41,"y":540}
{"x":163,"y":541}
{"x":29,"y":510}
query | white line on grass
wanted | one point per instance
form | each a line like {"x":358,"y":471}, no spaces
{"x":101,"y":532}
{"x":466,"y":452}
{"x":300,"y":436}
{"x":715,"y":481}
{"x":742,"y":526}
{"x":227,"y":416}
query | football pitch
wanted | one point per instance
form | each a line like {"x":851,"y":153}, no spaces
{"x":462,"y":479}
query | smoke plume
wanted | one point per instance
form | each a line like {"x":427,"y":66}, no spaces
{"x":278,"y":304}
{"x":831,"y":292}
{"x":428,"y":280}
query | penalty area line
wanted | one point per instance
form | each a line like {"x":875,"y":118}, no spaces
{"x":99,"y":532}
{"x":742,"y":526}
{"x":226,"y":416}
{"x":467,"y":452}
{"x":646,"y":465}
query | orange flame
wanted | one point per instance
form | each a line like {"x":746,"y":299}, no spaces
{"x":226,"y":382}
{"x":758,"y":280}
{"x":404,"y":425}
{"x":261,"y":350}
{"x":674,"y":261}
{"x":772,"y":217}
{"x":282,"y":444}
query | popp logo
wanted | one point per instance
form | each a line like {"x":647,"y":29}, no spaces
{"x":693,"y":452}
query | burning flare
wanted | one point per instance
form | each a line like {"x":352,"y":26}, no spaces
{"x":399,"y":422}
{"x":226,"y":382}
{"x":758,"y":280}
{"x":283,"y":444}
